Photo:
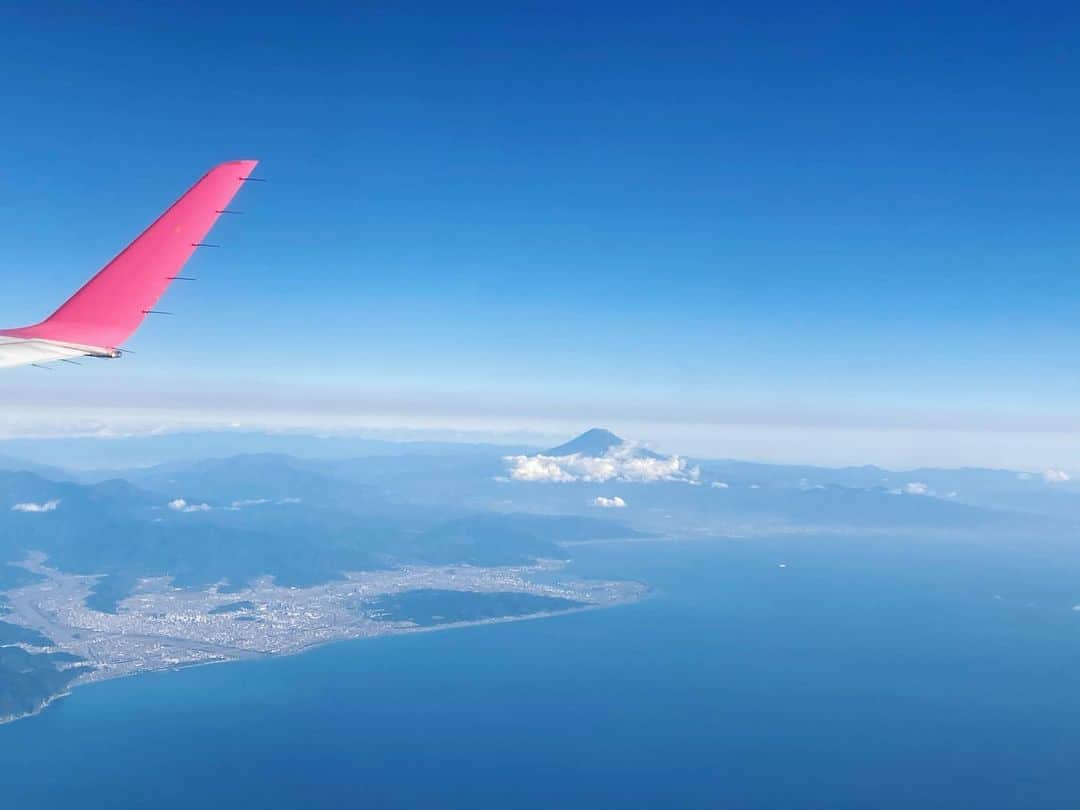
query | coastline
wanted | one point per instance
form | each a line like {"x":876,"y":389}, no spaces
{"x":46,"y":703}
{"x":392,"y":631}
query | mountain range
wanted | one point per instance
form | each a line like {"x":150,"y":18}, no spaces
{"x":307,"y":517}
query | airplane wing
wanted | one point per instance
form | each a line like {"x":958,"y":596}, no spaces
{"x":103,"y":314}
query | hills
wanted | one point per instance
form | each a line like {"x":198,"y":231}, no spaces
{"x":224,"y":521}
{"x":302,"y":517}
{"x":240,"y":518}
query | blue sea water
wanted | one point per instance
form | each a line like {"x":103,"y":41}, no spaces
{"x":868,"y":672}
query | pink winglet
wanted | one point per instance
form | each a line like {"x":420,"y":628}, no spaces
{"x":111,"y":305}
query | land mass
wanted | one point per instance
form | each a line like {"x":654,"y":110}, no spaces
{"x":181,"y":560}
{"x":57,"y":641}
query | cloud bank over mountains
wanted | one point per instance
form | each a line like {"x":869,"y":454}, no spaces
{"x":598,"y":456}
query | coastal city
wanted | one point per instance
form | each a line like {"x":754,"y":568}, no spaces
{"x":160,"y":626}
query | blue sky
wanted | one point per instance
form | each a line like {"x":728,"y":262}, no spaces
{"x":833,"y":232}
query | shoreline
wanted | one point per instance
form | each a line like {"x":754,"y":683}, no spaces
{"x":396,"y":631}
{"x":46,"y":703}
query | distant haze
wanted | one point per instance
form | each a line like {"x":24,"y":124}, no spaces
{"x":892,"y":441}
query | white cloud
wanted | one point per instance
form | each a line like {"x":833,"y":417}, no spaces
{"x":622,"y":463}
{"x":1055,"y":476}
{"x":609,"y":503}
{"x":244,"y":503}
{"x":30,"y":506}
{"x":914,"y":488}
{"x":248,"y":502}
{"x":718,"y":485}
{"x":540,"y":468}
{"x":180,"y":505}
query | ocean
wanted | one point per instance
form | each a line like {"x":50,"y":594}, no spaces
{"x":786,"y":672}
